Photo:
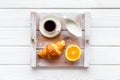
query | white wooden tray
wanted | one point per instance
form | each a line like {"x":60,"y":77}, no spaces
{"x":38,"y":41}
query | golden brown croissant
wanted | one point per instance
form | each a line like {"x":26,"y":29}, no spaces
{"x":53,"y":50}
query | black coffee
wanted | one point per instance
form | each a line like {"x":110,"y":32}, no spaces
{"x":49,"y":25}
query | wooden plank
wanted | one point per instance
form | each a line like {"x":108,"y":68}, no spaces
{"x":23,"y":72}
{"x":105,"y":21}
{"x":87,"y":37}
{"x":14,"y":18}
{"x":33,"y":58}
{"x":20,"y":18}
{"x":60,"y":4}
{"x":105,"y":37}
{"x":105,"y":55}
{"x":22,"y":55}
{"x":64,"y":35}
{"x":15,"y":36}
{"x":21,"y":36}
{"x":15,"y":55}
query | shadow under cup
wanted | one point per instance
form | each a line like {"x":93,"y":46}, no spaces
{"x":50,"y":26}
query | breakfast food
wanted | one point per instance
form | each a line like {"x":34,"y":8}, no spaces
{"x":53,"y":50}
{"x":73,"y":52}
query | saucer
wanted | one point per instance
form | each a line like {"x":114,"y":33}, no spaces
{"x":50,"y":34}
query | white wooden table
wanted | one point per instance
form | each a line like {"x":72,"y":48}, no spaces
{"x":15,"y":39}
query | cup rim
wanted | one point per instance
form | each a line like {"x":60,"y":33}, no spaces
{"x":52,"y":30}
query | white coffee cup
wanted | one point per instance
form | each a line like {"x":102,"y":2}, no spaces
{"x":50,"y":26}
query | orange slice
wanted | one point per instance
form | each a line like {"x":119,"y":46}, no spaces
{"x":73,"y":52}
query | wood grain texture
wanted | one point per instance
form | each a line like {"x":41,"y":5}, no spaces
{"x":33,"y":59}
{"x":20,"y":18}
{"x":60,"y":4}
{"x":23,"y":72}
{"x":104,"y":55}
{"x":21,"y":55}
{"x":13,"y":36}
{"x":64,"y":35}
{"x":15,"y":55}
{"x":105,"y":36}
{"x":21,"y":36}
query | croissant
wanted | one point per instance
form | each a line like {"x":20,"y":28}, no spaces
{"x":53,"y":50}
